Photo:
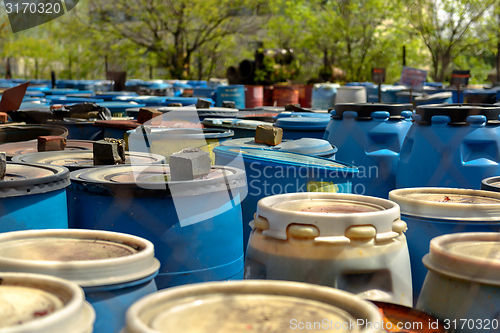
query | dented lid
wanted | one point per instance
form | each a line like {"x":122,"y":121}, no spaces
{"x":26,"y":147}
{"x":27,"y":179}
{"x":470,"y":256}
{"x":88,"y":257}
{"x":242,"y":306}
{"x":448,"y":203}
{"x":335,"y":217}
{"x":75,"y":160}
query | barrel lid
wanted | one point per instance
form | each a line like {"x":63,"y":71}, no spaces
{"x":41,"y":303}
{"x":480,"y":91}
{"x":75,"y":160}
{"x":239,"y":306}
{"x":491,"y":184}
{"x":287,"y":159}
{"x":440,"y":95}
{"x":90,"y":258}
{"x":364,"y":110}
{"x":120,"y":104}
{"x":234,"y":123}
{"x":458,"y":113}
{"x":336,"y":217}
{"x":166,"y":133}
{"x":288,"y":114}
{"x":25,"y":147}
{"x":303,"y":123}
{"x":468,"y":256}
{"x":154,"y":180}
{"x":19,"y":305}
{"x":27,"y":179}
{"x":20,"y":132}
{"x":448,"y":203}
{"x":309,"y":146}
{"x":351,"y":88}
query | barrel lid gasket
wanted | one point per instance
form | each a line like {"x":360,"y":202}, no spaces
{"x":458,"y":113}
{"x":56,"y":179}
{"x":364,"y":110}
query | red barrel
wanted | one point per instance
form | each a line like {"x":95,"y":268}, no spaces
{"x":254,"y":96}
{"x":268,"y":96}
{"x":305,"y":94}
{"x":283,"y":95}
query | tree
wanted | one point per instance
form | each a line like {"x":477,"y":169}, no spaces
{"x":449,"y":27}
{"x":174,"y":29}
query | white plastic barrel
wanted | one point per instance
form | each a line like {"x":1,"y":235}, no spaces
{"x":42,"y":304}
{"x":350,"y":242}
{"x":462,"y":286}
{"x":252,"y":306}
{"x":350,"y":94}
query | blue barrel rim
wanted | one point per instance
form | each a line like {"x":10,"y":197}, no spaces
{"x":302,"y":123}
{"x":458,"y":112}
{"x":364,"y":110}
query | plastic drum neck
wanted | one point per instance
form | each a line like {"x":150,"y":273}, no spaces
{"x":458,"y":113}
{"x":451,"y":255}
{"x":417,"y":202}
{"x":364,"y":110}
{"x":86,"y":273}
{"x":378,"y":213}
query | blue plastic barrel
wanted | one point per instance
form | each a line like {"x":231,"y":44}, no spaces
{"x":277,"y":172}
{"x":450,"y":145}
{"x":111,"y":95}
{"x":82,"y":159}
{"x":436,"y":98}
{"x":370,"y":136}
{"x":33,"y":197}
{"x":204,"y":92}
{"x":31,"y":146}
{"x":197,"y":84}
{"x":323,"y":95}
{"x":432,"y":212}
{"x":298,"y":125}
{"x":307,"y":146}
{"x":195,"y":226}
{"x":114,"y":270}
{"x":118,"y":108}
{"x":34,"y":94}
{"x":81,"y":130}
{"x":481,"y":96}
{"x":233,"y":93}
{"x":57,"y":99}
{"x":63,"y":92}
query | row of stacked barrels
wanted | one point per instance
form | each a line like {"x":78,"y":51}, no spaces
{"x":352,"y":242}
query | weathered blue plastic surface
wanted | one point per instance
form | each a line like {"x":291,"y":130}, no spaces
{"x":57,"y":99}
{"x":323,"y":97}
{"x":420,"y":232}
{"x":112,"y":302}
{"x":117,"y":109}
{"x":449,"y":156}
{"x":298,"y":127}
{"x":273,"y":172}
{"x":84,"y":130}
{"x":211,"y":250}
{"x":373,"y":146}
{"x":36,"y":211}
{"x":235,"y":93}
